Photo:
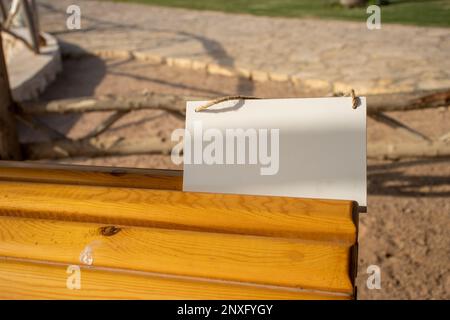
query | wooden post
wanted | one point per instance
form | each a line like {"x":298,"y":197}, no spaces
{"x":35,"y":11}
{"x":3,"y":11}
{"x":9,"y":142}
{"x":30,"y":21}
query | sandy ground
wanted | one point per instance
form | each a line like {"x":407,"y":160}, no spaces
{"x":406,"y":229}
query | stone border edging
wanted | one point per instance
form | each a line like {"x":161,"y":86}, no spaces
{"x":70,"y":51}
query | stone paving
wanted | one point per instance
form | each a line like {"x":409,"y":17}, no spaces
{"x":325,"y":54}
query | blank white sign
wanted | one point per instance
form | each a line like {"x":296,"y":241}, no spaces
{"x":322,"y":148}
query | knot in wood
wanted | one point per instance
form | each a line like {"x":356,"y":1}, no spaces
{"x":109,"y":231}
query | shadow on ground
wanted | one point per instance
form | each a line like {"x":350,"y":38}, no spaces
{"x":395,"y":180}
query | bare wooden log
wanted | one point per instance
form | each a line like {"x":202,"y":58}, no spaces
{"x":176,"y":104}
{"x":171,"y":103}
{"x":387,"y":151}
{"x":44,"y":172}
{"x":106,"y":124}
{"x":9,"y":142}
{"x":408,"y":101}
{"x":95,"y":147}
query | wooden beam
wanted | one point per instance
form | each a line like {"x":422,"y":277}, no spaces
{"x":320,"y":220}
{"x":28,"y":280}
{"x":131,"y":102}
{"x":32,"y":26}
{"x":35,"y":11}
{"x":408,"y":101}
{"x":91,"y":175}
{"x":375,"y":103}
{"x":276,"y":261}
{"x":9,"y":141}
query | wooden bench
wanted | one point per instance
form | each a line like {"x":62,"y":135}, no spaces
{"x":135,"y":235}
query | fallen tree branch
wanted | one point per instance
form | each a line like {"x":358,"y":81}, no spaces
{"x":106,"y":124}
{"x":407,"y":101}
{"x":171,"y":103}
{"x":176,"y":104}
{"x":95,"y":147}
{"x":387,"y":151}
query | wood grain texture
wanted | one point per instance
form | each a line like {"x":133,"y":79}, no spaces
{"x":263,"y":260}
{"x":138,"y":221}
{"x":26,"y":280}
{"x":322,"y":220}
{"x":94,"y":176}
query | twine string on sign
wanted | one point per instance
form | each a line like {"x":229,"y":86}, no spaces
{"x":355,"y":100}
{"x":223,"y":99}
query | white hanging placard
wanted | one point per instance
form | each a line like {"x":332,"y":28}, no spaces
{"x":309,"y":148}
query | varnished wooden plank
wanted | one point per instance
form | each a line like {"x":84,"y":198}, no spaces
{"x":27,"y":280}
{"x":324,"y":220}
{"x":89,"y":175}
{"x":264,"y":260}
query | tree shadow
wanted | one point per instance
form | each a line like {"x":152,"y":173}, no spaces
{"x":178,"y":85}
{"x":390,"y":179}
{"x":79,"y":78}
{"x":213,"y":48}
